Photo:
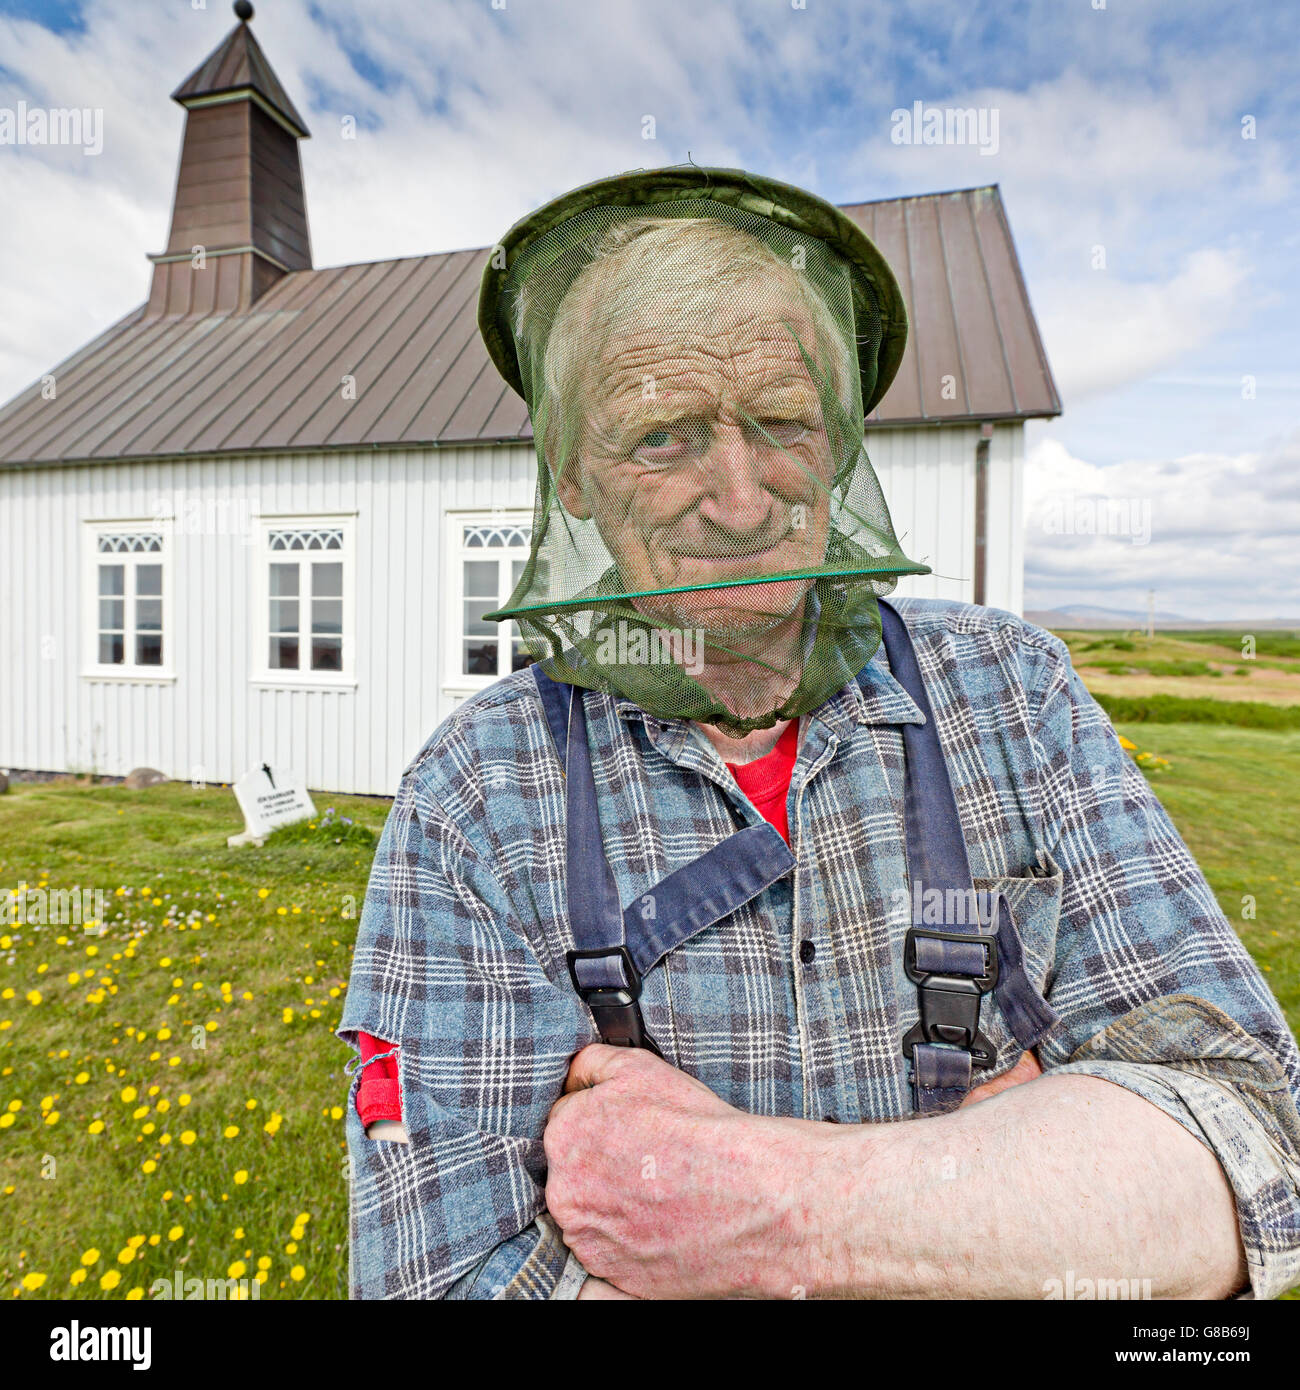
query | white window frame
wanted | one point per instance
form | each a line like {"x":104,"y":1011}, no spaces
{"x":267,"y":524}
{"x":91,"y":666}
{"x":455,"y":682}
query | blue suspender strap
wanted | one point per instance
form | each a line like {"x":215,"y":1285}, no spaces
{"x":952,"y":969}
{"x":602,"y":970}
{"x":613,"y":947}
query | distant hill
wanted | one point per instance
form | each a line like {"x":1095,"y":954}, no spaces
{"x":1088,"y":616}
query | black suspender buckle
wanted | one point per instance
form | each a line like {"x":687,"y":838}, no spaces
{"x":950,"y":1003}
{"x":611,"y":993}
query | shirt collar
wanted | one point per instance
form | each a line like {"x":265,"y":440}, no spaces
{"x":877,"y":698}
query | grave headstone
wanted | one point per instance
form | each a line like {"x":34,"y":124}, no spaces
{"x":269,"y":798}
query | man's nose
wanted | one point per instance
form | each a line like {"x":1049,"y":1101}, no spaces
{"x":734,"y":497}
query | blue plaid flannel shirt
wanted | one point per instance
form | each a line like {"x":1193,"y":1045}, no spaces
{"x":460,"y":954}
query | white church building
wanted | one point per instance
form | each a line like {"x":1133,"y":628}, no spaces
{"x":256,"y":520}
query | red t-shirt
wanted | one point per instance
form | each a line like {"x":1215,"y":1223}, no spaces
{"x":766,"y":781}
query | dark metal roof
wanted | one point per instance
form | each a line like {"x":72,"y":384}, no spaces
{"x":272,"y":378}
{"x":239,"y":65}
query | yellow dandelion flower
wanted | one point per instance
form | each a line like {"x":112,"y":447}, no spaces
{"x":135,"y":1294}
{"x":183,"y":1099}
{"x":188,"y":1137}
{"x":148,"y":1166}
{"x":176,"y":1233}
{"x":15,"y":1105}
{"x":236,"y":1269}
{"x":291,"y":1248}
{"x":230,"y":1131}
{"x":125,"y":1255}
{"x":81,"y":1078}
{"x":250,"y":1105}
{"x":241,"y":1177}
{"x":95,"y":1127}
{"x":272,"y":1126}
{"x":88,"y":1257}
{"x":297,"y":1274}
{"x":52,"y":1118}
{"x":78,"y":1276}
{"x":33,"y":996}
{"x":336,"y":1112}
{"x":129,"y":1093}
{"x":6,"y":1120}
{"x":33,"y":1281}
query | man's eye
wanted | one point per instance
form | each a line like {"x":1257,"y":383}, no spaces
{"x":784,"y":432}
{"x":668,"y":445}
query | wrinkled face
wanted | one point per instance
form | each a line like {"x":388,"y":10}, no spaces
{"x":704,"y":458}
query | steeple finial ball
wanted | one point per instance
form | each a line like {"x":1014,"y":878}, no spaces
{"x":243,"y":10}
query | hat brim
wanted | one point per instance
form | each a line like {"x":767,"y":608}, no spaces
{"x":875,"y":290}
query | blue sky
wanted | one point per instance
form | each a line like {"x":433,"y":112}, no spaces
{"x":1119,"y":127}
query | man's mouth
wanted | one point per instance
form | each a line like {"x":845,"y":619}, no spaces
{"x":754,"y":552}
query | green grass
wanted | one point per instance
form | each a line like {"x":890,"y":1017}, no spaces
{"x":1267,"y":643}
{"x":1230,"y":790}
{"x":1232,"y":794}
{"x":290,"y":950}
{"x":1178,"y":709}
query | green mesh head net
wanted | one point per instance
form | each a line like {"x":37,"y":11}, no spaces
{"x":698,"y":348}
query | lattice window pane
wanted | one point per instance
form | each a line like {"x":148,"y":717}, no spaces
{"x":125,"y":543}
{"x":284,"y":654}
{"x":326,"y":653}
{"x":327,"y":580}
{"x":322,"y":538}
{"x":284,"y":581}
{"x":495,"y":536}
{"x":480,"y":658}
{"x":481,"y":579}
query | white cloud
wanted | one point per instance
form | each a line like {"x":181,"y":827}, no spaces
{"x":1213,"y":534}
{"x":1107,"y":332}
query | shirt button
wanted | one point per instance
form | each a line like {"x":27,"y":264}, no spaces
{"x":807,"y":951}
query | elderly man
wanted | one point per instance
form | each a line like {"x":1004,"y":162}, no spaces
{"x":724,"y":867}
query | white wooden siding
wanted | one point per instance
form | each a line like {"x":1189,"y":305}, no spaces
{"x":211,"y":723}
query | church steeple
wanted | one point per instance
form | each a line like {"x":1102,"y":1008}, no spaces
{"x":239,"y":221}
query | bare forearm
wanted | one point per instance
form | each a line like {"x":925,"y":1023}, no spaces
{"x":1064,"y":1174}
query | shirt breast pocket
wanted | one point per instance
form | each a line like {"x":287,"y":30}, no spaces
{"x":1017,"y":1016}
